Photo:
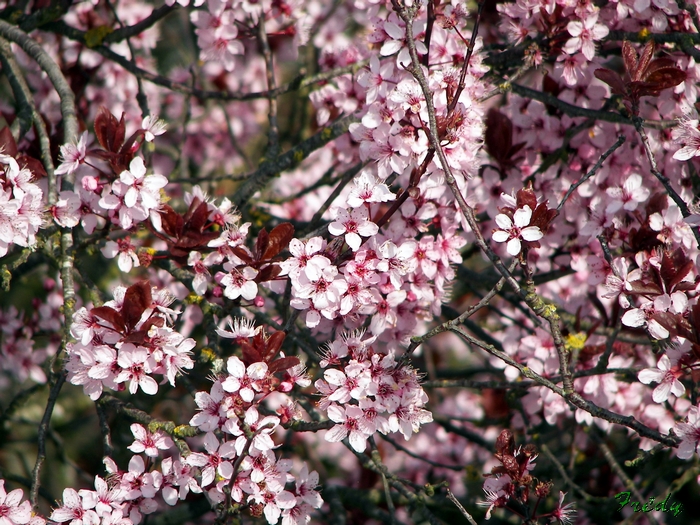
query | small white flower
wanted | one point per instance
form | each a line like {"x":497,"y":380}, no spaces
{"x":512,"y":233}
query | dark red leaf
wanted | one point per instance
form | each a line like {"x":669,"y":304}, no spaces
{"x":665,"y":78}
{"x":198,"y":218}
{"x":242,"y":254}
{"x":7,"y":142}
{"x":136,"y":299}
{"x":640,"y":287}
{"x":526,"y":197}
{"x":681,"y":273}
{"x":657,"y":204}
{"x":505,"y":443}
{"x":250,"y":354}
{"x":109,"y":131}
{"x":273,"y":345}
{"x":498,"y":136}
{"x":261,"y":244}
{"x":111,"y":316}
{"x":172,"y":221}
{"x":268,"y":273}
{"x":283,"y":363}
{"x":629,"y":57}
{"x":612,"y":79}
{"x":279,"y":239}
{"x":644,"y":61}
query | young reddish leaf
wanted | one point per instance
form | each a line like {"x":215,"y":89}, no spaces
{"x":612,"y":79}
{"x":261,"y":244}
{"x":279,"y":239}
{"x":657,"y":204}
{"x":498,"y":136}
{"x":283,"y":363}
{"x":250,"y":354}
{"x":242,"y":254}
{"x":109,"y":131}
{"x":8,"y":146}
{"x":268,"y":273}
{"x":273,"y":345}
{"x":136,"y":299}
{"x":526,"y":197}
{"x":505,"y":443}
{"x":629,"y":57}
{"x":198,"y":219}
{"x":664,"y":78}
{"x":643,"y":288}
{"x":172,"y":221}
{"x":111,"y":316}
{"x":33,"y":165}
{"x":542,"y":217}
{"x":644,"y":61}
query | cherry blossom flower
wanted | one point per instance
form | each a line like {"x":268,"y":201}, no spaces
{"x":513,"y":230}
{"x":76,"y":508}
{"x":152,"y":126}
{"x":564,"y":513}
{"x":644,"y":316}
{"x":689,"y":432}
{"x":66,"y":211}
{"x":215,"y":461}
{"x":244,"y":380}
{"x":13,"y":511}
{"x":632,"y":193}
{"x":140,"y":188}
{"x":239,"y":283}
{"x":72,"y":156}
{"x":687,"y":133}
{"x":350,"y":421}
{"x":667,"y":377}
{"x":584,"y":33}
{"x":127,"y":255}
{"x":353,"y":225}
{"x":136,"y":364}
{"x":147,"y":442}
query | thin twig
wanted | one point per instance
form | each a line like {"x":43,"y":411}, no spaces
{"x":290,"y":159}
{"x":638,"y":124}
{"x":620,"y":141}
{"x":273,"y":131}
{"x":464,"y":512}
{"x":573,"y":397}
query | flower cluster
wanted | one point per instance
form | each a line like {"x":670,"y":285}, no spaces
{"x":21,"y":201}
{"x":128,"y":339}
{"x":123,"y":196}
{"x":365,"y":391}
{"x":236,"y":432}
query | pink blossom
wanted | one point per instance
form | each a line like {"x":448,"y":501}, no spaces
{"x":666,"y":376}
{"x":147,"y":442}
{"x":77,"y":509}
{"x":72,"y":156}
{"x":239,"y":283}
{"x":13,"y":511}
{"x":687,"y":133}
{"x":244,"y":380}
{"x":127,"y":255}
{"x":350,"y":421}
{"x":215,"y":461}
{"x":513,"y":230}
{"x":584,"y":33}
{"x":152,"y":127}
{"x":689,"y":432}
{"x":353,"y":225}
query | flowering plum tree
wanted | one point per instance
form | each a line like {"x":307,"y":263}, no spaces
{"x":351,"y":261}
